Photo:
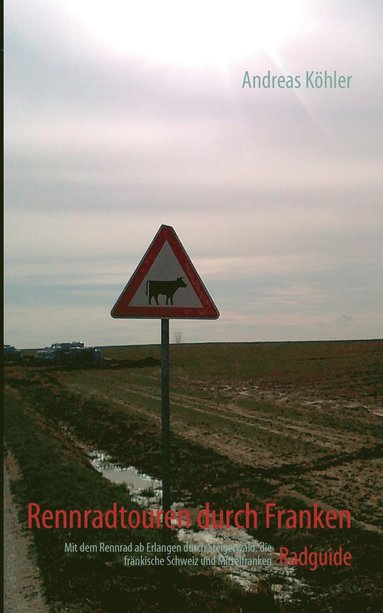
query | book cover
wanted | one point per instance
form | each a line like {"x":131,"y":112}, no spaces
{"x":188,"y":162}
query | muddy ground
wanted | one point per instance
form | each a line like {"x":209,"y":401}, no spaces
{"x":22,"y":583}
{"x":290,"y":423}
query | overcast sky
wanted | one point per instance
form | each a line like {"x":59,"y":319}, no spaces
{"x":122,"y":116}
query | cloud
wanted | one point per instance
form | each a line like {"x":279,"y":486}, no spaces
{"x":276,"y":195}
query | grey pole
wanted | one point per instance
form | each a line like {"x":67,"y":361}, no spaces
{"x":165,"y":421}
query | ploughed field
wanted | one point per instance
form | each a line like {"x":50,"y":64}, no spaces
{"x":292,"y":423}
{"x":314,"y":407}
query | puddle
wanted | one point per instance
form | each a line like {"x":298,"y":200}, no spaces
{"x":244,"y":560}
{"x":143,"y":489}
{"x":230,"y":551}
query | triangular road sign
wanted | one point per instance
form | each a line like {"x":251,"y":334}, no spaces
{"x":165,"y":284}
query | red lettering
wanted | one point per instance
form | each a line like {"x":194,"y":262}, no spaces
{"x":283,"y":552}
{"x":203,"y":517}
{"x":331,"y":515}
{"x":269,"y":513}
{"x":47,"y":516}
{"x":60,"y":513}
{"x":111,"y":517}
{"x":236,"y":522}
{"x":169,"y":516}
{"x":344,"y":514}
{"x":134,"y":513}
{"x":184,"y":519}
{"x":250,"y":513}
{"x":33,"y":514}
{"x":347,"y":558}
{"x":122,"y":518}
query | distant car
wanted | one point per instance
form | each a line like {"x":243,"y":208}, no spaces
{"x":74,"y":353}
{"x":84,"y":355}
{"x":11,"y":354}
{"x":45,"y":354}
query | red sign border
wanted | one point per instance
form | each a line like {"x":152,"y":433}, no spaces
{"x":122,"y":310}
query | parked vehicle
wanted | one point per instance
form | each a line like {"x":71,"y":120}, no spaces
{"x":11,"y":354}
{"x":70,"y":353}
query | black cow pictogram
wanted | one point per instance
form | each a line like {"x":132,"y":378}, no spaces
{"x":163,"y":288}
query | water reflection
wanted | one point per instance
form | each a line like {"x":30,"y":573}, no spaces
{"x":231,"y":551}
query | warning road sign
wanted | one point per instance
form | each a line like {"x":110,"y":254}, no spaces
{"x":165,"y":284}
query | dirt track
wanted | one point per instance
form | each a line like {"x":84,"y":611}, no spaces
{"x":22,"y":585}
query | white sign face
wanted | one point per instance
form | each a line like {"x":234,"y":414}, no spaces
{"x":166,"y":268}
{"x":165,"y":284}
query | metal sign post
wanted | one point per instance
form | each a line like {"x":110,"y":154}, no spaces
{"x":165,"y":285}
{"x":165,"y":424}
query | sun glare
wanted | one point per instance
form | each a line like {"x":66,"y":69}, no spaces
{"x":195,"y":33}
